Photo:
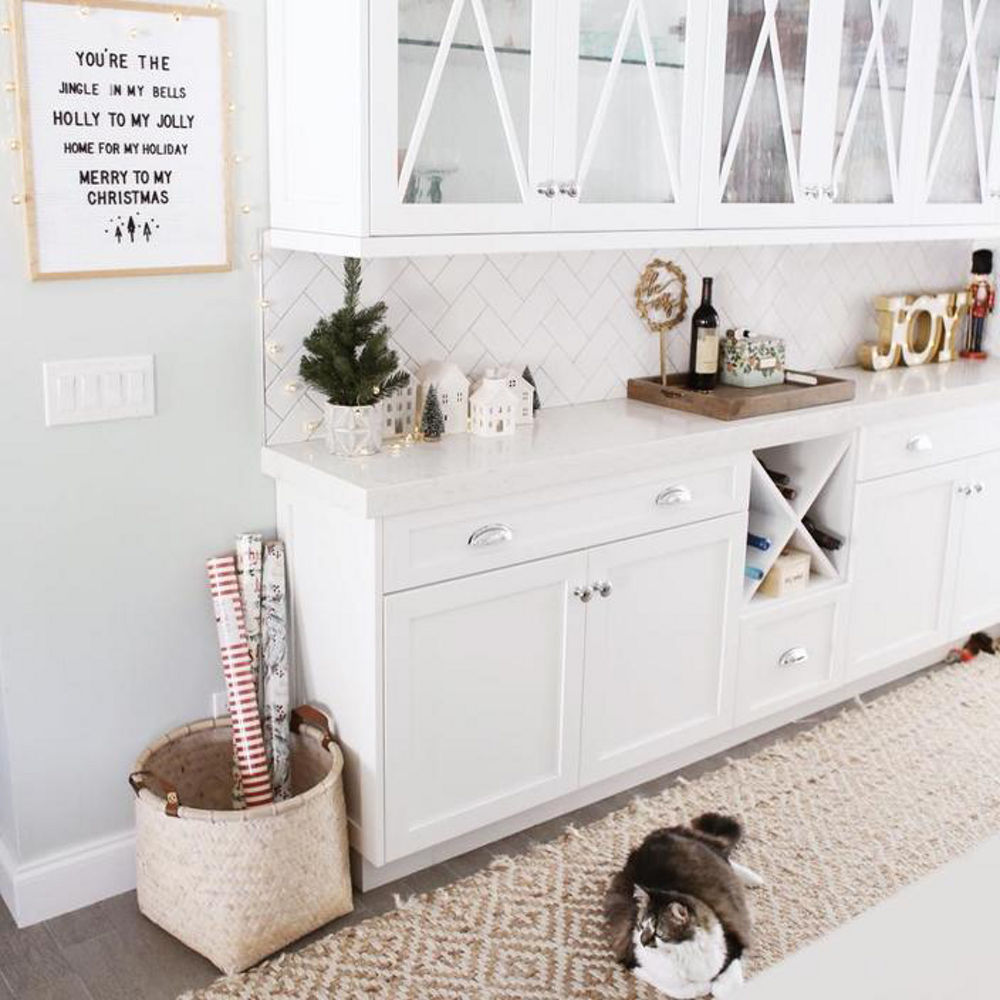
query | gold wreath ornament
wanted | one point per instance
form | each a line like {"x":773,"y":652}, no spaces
{"x":661,"y":301}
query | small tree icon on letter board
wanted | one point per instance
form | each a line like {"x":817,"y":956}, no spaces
{"x":432,"y":420}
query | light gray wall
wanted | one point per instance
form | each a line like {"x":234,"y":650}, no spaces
{"x":106,"y":633}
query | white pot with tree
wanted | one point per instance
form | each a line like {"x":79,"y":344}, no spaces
{"x":348,"y":358}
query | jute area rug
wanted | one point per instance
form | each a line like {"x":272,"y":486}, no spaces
{"x":838,"y":818}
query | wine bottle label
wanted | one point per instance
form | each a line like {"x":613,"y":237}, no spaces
{"x":706,"y":360}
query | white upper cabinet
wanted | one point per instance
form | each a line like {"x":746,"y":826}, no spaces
{"x":808,"y":113}
{"x":462,"y":98}
{"x":960,"y":140}
{"x":409,"y":126}
{"x":628,"y":114}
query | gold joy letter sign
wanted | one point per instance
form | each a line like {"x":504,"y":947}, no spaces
{"x":914,"y":329}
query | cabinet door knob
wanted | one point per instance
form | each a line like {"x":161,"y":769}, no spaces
{"x":979,"y":487}
{"x":920,"y":442}
{"x":603,"y":587}
{"x":811,"y":192}
{"x":547,"y":189}
{"x":964,"y":490}
{"x":793,"y":657}
{"x":491,"y":534}
{"x":570,"y":189}
{"x":584,"y":593}
{"x":673,"y":495}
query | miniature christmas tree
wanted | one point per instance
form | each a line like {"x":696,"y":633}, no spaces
{"x":432,"y":419}
{"x":536,"y":402}
{"x":348,"y":357}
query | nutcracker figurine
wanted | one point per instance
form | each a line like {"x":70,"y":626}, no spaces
{"x":982,"y":297}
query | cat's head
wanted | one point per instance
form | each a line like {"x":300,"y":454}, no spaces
{"x":669,"y":917}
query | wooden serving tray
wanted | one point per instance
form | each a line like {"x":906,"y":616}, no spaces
{"x":729,"y":402}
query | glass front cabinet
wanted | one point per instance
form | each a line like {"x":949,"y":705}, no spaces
{"x":534,"y":116}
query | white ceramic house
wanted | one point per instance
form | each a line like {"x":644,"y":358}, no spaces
{"x":453,"y":393}
{"x":526,"y":397}
{"x":495,"y":406}
{"x":399,"y":411}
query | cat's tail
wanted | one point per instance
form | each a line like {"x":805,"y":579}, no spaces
{"x":725,"y":832}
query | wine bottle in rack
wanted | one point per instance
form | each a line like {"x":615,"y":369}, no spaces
{"x":823,"y":537}
{"x":758,"y":541}
{"x":753,"y":573}
{"x":778,"y":478}
{"x":788,"y":492}
{"x":704,"y":373}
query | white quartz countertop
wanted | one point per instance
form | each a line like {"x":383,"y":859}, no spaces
{"x":574,"y":443}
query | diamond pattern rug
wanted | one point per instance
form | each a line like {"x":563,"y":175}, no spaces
{"x":838,"y":818}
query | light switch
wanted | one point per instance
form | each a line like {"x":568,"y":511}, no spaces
{"x":92,"y":389}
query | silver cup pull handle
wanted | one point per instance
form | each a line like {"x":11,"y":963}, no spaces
{"x":794,"y":657}
{"x":920,"y":442}
{"x":491,"y":534}
{"x":673,"y":495}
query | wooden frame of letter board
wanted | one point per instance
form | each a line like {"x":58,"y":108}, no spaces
{"x":24,"y":127}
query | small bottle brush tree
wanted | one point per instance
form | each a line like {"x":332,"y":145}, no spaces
{"x":536,"y":402}
{"x":432,"y":419}
{"x":348,"y":357}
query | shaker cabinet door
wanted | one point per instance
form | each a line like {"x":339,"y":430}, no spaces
{"x":904,"y":552}
{"x":461,"y":106}
{"x":977,"y":588}
{"x":482,"y":699}
{"x":629,"y":109}
{"x":661,"y":646}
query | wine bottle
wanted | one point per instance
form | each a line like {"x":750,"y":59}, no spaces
{"x":778,"y":477}
{"x":758,"y":541}
{"x":824,"y":538}
{"x":788,"y":492}
{"x":753,"y":573}
{"x":704,"y":372}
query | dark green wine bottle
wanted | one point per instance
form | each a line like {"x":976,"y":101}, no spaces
{"x":704,"y":367}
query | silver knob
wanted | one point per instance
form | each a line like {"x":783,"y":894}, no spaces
{"x":570,"y":189}
{"x":794,"y":657}
{"x":830,"y":192}
{"x":584,"y":593}
{"x":547,"y":189}
{"x":964,"y":490}
{"x":491,"y":534}
{"x":603,"y":587}
{"x":979,"y":487}
{"x":811,"y":192}
{"x":673,"y":495}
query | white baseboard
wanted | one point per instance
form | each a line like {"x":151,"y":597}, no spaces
{"x":67,"y":880}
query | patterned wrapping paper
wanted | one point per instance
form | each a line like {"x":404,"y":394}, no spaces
{"x":248,"y":740}
{"x":274,"y":667}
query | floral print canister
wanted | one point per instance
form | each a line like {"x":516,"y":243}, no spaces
{"x":751,"y":362}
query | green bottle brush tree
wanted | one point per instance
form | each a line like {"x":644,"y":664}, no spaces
{"x":348,"y":357}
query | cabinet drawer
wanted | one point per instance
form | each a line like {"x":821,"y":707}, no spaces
{"x":918,"y":443}
{"x":788,"y":655}
{"x":457,"y":541}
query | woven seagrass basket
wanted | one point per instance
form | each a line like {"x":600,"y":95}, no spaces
{"x":238,"y":885}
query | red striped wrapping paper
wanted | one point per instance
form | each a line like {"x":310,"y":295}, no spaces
{"x":248,"y":738}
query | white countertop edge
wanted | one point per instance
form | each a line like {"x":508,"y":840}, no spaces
{"x":663,"y":436}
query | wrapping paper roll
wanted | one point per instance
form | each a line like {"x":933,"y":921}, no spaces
{"x":249,"y":554}
{"x":274,"y":667}
{"x":248,"y":741}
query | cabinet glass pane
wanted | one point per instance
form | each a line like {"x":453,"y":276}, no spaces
{"x":462,"y":153}
{"x":959,"y":161}
{"x":765,"y":66}
{"x":870,"y":104}
{"x":634,"y":151}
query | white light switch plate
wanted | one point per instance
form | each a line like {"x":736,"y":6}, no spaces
{"x":91,"y":389}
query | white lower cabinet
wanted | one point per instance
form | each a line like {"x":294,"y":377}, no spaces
{"x":789,"y":654}
{"x":905,"y":550}
{"x":660,"y":647}
{"x":482,"y":699}
{"x":977,"y":581}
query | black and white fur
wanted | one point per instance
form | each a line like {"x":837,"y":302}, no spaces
{"x":677,"y":910}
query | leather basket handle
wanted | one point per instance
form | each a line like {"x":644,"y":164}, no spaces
{"x":173,"y":803}
{"x":309,"y":716}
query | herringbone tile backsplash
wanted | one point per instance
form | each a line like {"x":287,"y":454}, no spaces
{"x":571,"y":315}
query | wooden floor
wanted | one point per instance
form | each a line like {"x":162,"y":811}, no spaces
{"x":110,"y":952}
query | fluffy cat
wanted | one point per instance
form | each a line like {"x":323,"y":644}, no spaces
{"x":677,"y":912}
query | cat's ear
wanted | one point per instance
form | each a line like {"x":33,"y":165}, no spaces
{"x":678,"y":915}
{"x":641,"y":897}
